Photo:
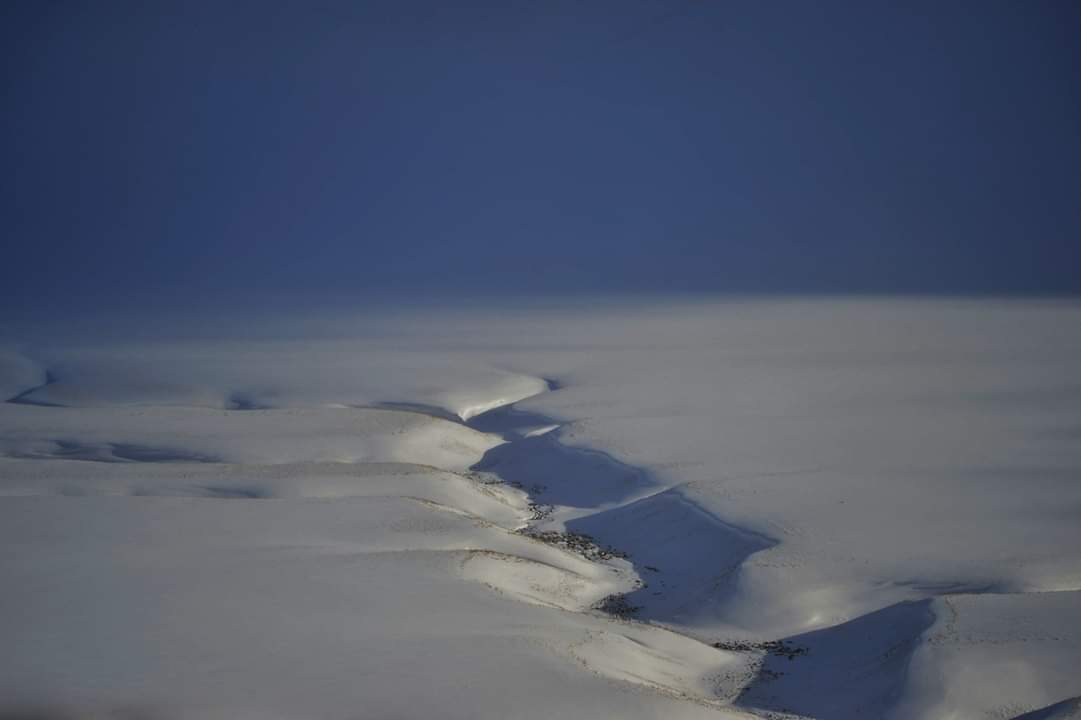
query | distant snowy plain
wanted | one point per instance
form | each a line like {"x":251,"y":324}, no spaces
{"x":663,"y":508}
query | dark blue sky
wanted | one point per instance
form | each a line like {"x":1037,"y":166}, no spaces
{"x":536,"y":147}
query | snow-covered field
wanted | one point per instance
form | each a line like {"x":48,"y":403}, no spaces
{"x":663,"y":508}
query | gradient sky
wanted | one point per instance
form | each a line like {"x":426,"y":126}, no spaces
{"x":540,"y":147}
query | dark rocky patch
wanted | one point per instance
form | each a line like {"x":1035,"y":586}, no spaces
{"x":778,"y":648}
{"x":617,"y":605}
{"x":579,"y":543}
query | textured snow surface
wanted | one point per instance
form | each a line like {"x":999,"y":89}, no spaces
{"x":664,"y":508}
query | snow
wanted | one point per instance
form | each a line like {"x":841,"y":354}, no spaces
{"x":673,"y":507}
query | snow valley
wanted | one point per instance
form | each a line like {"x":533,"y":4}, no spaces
{"x":654,"y":508}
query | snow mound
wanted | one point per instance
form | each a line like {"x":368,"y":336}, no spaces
{"x":574,"y":588}
{"x":157,"y":434}
{"x":19,"y":375}
{"x":663,"y":661}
